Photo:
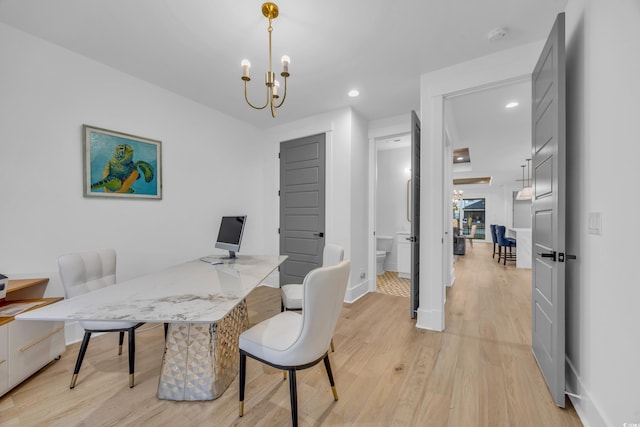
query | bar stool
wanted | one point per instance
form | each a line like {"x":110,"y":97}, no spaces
{"x":495,"y":240}
{"x":505,"y":242}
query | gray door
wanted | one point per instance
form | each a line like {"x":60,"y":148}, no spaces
{"x":415,"y":214}
{"x":302,"y":202}
{"x":548,"y":209}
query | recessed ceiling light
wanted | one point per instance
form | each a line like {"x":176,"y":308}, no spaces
{"x":353,"y":93}
{"x":512,"y":104}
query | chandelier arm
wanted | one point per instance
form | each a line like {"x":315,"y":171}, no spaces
{"x":284,"y":94}
{"x":249,"y":102}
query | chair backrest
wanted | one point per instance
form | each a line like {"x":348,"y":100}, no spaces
{"x":87,"y":271}
{"x":324,"y":289}
{"x":494,"y":236}
{"x":332,"y":254}
{"x":473,"y":231}
{"x":500,"y":234}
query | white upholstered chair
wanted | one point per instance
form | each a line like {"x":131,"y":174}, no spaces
{"x":471,"y":235}
{"x":292,"y":293}
{"x":291,"y":340}
{"x":85,"y":272}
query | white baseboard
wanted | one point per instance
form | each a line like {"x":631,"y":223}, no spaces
{"x":430,"y":319}
{"x":357,"y":291}
{"x":588,"y":410}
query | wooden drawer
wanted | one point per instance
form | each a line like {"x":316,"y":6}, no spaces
{"x":33,"y":344}
{"x":4,"y":359}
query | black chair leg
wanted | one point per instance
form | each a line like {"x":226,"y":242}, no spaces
{"x":120,"y":341}
{"x":327,"y":366}
{"x":243,"y":372}
{"x":294,"y":397}
{"x":83,"y":350}
{"x":132,"y":355}
{"x":166,"y":329}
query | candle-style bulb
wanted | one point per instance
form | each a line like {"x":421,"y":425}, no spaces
{"x":245,"y":67}
{"x":285,"y":63}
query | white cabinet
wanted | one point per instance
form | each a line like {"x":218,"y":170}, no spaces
{"x":404,"y":255}
{"x":26,"y":346}
{"x":31,"y":345}
{"x":4,"y":360}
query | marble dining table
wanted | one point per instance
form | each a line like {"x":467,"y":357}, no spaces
{"x":204,"y":305}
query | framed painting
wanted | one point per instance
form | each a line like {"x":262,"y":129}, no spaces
{"x":120,"y":165}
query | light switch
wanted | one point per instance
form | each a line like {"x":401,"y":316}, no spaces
{"x":595,"y":223}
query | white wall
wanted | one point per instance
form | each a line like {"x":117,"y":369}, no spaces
{"x":211,"y":163}
{"x":391,"y":194}
{"x":603,"y":294}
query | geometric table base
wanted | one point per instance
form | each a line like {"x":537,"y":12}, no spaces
{"x":201,"y":359}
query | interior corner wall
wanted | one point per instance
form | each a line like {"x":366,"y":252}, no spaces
{"x":209,"y":168}
{"x":346,"y":140}
{"x":602,"y":291}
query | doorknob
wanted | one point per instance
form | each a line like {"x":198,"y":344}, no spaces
{"x":552,"y":255}
{"x":320,"y":234}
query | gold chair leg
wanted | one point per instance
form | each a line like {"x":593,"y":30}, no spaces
{"x":119,"y":349}
{"x":335,"y":393}
{"x":284,"y":375}
{"x":74,"y":378}
{"x":131,"y":380}
{"x":332,"y":349}
{"x":241,"y":409}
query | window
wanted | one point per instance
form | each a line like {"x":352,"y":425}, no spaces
{"x":471,"y":212}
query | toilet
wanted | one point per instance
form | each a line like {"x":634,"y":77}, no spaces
{"x":383,"y":247}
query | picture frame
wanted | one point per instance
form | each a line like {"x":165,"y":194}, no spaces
{"x":121,"y":165}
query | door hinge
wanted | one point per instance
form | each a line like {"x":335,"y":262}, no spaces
{"x":278,"y":155}
{"x":278,"y":230}
{"x":278,"y":193}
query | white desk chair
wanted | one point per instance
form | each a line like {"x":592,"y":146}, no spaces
{"x":291,"y":341}
{"x":292,"y":293}
{"x":85,"y":272}
{"x":332,"y":254}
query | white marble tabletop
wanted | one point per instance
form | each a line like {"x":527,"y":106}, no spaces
{"x":193,"y":292}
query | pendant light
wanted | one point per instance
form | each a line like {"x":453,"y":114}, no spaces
{"x":525,"y":193}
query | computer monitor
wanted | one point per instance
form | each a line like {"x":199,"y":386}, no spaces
{"x":230,"y":234}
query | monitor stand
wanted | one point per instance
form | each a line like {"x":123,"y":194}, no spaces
{"x":232,"y":255}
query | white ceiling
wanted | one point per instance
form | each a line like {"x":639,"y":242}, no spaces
{"x":194,"y":47}
{"x":498,"y":138}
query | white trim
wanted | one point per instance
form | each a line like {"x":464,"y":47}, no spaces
{"x":356,"y":292}
{"x":589,"y":412}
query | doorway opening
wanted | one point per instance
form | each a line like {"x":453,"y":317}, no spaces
{"x":392,"y":164}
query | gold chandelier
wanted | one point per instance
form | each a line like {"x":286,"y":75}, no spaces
{"x":270,"y":11}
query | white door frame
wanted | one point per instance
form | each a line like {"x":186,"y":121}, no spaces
{"x":508,"y":65}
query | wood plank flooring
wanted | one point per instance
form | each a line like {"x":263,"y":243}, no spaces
{"x":479,"y":372}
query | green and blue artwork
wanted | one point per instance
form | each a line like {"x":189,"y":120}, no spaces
{"x":121,"y":165}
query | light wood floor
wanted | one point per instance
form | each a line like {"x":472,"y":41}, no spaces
{"x":479,"y":372}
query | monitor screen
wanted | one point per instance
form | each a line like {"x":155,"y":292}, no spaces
{"x":230,"y":234}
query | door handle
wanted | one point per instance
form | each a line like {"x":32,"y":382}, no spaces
{"x":552,"y":255}
{"x":320,"y":234}
{"x":562,"y":256}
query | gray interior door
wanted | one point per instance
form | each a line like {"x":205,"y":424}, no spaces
{"x":548,"y":209}
{"x":415,"y":214}
{"x":302,"y":206}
